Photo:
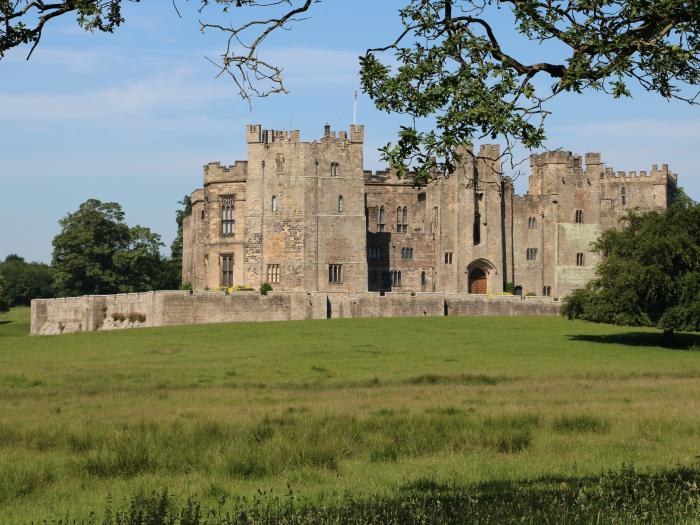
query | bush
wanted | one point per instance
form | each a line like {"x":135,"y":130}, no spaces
{"x":186,"y":286}
{"x":509,"y":288}
{"x":264,"y":288}
{"x":118,"y":316}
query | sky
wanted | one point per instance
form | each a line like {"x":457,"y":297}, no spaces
{"x":133,"y":116}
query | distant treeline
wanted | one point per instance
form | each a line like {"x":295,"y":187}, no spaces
{"x":95,"y":252}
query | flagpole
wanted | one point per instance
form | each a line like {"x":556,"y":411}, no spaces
{"x":354,"y":109}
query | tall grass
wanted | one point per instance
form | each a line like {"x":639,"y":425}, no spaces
{"x":627,"y":496}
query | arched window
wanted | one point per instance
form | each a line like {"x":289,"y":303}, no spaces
{"x":274,"y":203}
{"x":341,"y":204}
{"x":579,"y":217}
{"x":401,"y":219}
{"x":579,"y":259}
{"x":335,"y":169}
{"x":532,"y":223}
{"x":380,"y":224}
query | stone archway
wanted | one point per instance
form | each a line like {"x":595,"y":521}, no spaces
{"x":480,"y":277}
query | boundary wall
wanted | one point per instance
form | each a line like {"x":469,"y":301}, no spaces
{"x":168,"y":308}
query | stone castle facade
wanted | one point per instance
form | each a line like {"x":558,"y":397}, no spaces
{"x":307,"y":217}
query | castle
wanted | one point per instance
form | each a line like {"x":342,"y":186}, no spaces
{"x":336,"y":241}
{"x":307,"y":216}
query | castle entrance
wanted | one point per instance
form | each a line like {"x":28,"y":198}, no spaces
{"x":477,"y":281}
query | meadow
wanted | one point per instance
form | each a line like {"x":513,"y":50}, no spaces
{"x":336,"y":409}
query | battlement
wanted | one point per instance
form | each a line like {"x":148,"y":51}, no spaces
{"x":215,"y":172}
{"x":656,"y":174}
{"x":490,"y":151}
{"x":388,"y":175}
{"x":257,"y":135}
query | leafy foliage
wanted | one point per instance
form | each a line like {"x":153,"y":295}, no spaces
{"x":448,"y":69}
{"x":4,"y":295}
{"x":650,"y":272}
{"x":97,"y":253}
{"x":26,"y":281}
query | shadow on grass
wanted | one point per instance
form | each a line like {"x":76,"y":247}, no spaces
{"x":649,"y":339}
{"x":5,"y":321}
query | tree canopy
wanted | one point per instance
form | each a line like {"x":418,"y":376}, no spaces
{"x":5,"y":299}
{"x":26,"y":280}
{"x":96,"y":252}
{"x":649,"y":274}
{"x":448,"y":69}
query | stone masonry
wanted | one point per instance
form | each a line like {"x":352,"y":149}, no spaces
{"x":306,"y":217}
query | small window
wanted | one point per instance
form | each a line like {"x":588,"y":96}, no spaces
{"x":335,"y":169}
{"x":532,"y":223}
{"x":274,"y":203}
{"x":579,"y":259}
{"x":547,"y":291}
{"x":396,"y":278}
{"x":227,"y":270}
{"x":407,"y":253}
{"x":623,"y":196}
{"x":374,"y":253}
{"x":202,"y":214}
{"x":228,"y":219}
{"x":273,"y":273}
{"x":423,"y":279}
{"x":341,"y":204}
{"x":579,"y":217}
{"x":421,"y":197}
{"x":531,"y":254}
{"x":380,"y":223}
{"x":335,"y":273}
{"x":448,"y":257}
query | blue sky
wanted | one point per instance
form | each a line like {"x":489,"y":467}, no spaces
{"x":132,"y":117}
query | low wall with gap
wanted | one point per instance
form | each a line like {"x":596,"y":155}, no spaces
{"x":167,"y":308}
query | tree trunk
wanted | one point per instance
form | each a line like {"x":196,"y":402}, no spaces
{"x":667,"y":337}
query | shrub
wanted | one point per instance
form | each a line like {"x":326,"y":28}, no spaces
{"x":186,"y":286}
{"x":509,"y":288}
{"x":118,"y":316}
{"x":264,"y":288}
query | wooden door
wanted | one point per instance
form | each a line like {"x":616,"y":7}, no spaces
{"x":477,"y":281}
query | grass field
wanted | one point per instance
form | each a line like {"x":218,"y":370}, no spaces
{"x":330,"y":408}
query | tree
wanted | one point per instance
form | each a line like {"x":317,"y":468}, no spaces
{"x":176,"y":246}
{"x":26,"y":280}
{"x":448,"y":69}
{"x":649,"y":274}
{"x":97,"y":253}
{"x":4,"y":297}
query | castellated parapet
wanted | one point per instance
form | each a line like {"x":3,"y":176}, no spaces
{"x":307,"y":217}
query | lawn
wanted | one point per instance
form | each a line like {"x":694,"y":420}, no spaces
{"x":334,"y":407}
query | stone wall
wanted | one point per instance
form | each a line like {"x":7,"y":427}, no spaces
{"x":168,"y":308}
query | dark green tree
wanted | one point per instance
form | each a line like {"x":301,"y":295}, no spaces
{"x":96,"y":252}
{"x":649,"y":274}
{"x":4,"y":297}
{"x":176,"y":247}
{"x":448,"y":69}
{"x":26,"y":280}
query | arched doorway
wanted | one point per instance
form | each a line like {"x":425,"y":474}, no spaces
{"x":478,"y":282}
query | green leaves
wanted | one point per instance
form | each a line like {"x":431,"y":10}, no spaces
{"x":450,"y":74}
{"x":97,"y":253}
{"x":650,"y":272}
